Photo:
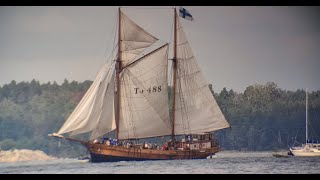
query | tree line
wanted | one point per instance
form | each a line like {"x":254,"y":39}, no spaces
{"x":263,"y":117}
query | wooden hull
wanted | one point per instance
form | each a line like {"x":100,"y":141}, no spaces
{"x":104,"y":153}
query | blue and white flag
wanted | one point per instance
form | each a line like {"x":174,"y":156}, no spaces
{"x":185,"y":14}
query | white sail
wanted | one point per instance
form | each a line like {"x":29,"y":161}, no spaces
{"x":196,"y":110}
{"x":134,"y":39}
{"x":94,"y":112}
{"x":144,"y":110}
{"x":106,"y":118}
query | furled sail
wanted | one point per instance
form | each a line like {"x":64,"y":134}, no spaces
{"x":134,"y":39}
{"x":144,"y":109}
{"x":95,"y":111}
{"x":196,"y":109}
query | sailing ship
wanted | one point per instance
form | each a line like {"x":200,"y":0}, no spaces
{"x":307,"y":149}
{"x":133,"y":99}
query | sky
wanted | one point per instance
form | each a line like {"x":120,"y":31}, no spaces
{"x":234,"y":46}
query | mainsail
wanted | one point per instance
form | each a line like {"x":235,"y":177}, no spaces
{"x":196,"y":110}
{"x":95,"y":111}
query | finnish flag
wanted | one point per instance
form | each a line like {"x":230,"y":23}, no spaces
{"x":185,"y":14}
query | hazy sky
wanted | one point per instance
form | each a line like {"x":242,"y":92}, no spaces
{"x":235,"y":46}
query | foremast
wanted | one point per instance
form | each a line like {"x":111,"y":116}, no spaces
{"x":118,"y":70}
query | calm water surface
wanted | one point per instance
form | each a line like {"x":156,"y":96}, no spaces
{"x":224,"y":162}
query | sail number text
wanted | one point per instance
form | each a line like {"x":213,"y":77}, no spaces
{"x":149,"y":90}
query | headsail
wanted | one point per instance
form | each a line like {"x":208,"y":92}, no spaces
{"x":95,"y":110}
{"x":134,"y":39}
{"x":196,"y":110}
{"x":144,"y":110}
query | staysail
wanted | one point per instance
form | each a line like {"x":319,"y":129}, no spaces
{"x":196,"y":110}
{"x":144,"y":110}
{"x":95,"y":111}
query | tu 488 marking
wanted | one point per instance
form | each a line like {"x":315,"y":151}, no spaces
{"x":153,"y":89}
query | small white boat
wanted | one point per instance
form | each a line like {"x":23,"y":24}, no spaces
{"x":307,"y":149}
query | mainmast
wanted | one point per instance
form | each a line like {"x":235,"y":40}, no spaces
{"x":118,"y":69}
{"x":174,"y":61}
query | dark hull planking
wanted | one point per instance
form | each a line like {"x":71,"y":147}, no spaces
{"x":103,"y":153}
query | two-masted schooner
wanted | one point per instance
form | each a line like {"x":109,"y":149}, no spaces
{"x":132,"y":99}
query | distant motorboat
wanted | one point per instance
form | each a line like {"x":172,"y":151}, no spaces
{"x":281,"y":154}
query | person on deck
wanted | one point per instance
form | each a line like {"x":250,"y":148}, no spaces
{"x":108,"y":142}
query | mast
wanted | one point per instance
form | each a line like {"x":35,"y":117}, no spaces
{"x":174,"y":60}
{"x":118,"y":70}
{"x":306,"y":116}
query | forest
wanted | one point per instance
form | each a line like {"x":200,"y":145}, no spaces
{"x":262,"y":118}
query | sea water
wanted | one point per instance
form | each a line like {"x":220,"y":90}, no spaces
{"x":225,"y":162}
